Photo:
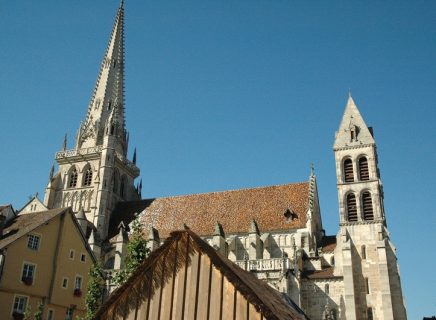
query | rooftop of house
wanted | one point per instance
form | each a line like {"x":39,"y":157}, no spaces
{"x":269,"y":302}
{"x":25,"y":223}
{"x":275,"y":208}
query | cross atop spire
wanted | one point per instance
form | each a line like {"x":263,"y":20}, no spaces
{"x":106,"y":109}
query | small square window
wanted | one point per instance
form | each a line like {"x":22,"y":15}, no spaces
{"x":65,"y":283}
{"x":72,"y":254}
{"x":82,"y":257}
{"x":33,"y":242}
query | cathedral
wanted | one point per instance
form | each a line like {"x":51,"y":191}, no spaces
{"x":275,"y":232}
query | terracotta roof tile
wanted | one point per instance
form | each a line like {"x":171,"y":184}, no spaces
{"x":233,"y":209}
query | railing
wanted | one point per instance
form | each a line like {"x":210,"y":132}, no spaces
{"x":264,"y":264}
{"x":127,"y":162}
{"x":77,"y":152}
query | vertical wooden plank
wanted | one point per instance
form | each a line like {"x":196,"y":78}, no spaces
{"x":179,"y":293}
{"x":203,"y":288}
{"x":142,"y":310}
{"x":154,"y":305}
{"x":197,"y":289}
{"x":228,"y":300}
{"x":173,"y":282}
{"x":191,"y":286}
{"x":167,"y":291}
{"x":235,"y":294}
{"x":162,"y":289}
{"x":185,"y":277}
{"x":241,"y":307}
{"x":253,"y":314}
{"x":216,"y":294}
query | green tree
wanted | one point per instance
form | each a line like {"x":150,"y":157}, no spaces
{"x":137,"y":251}
{"x":39,"y":312}
{"x":28,"y":313}
{"x":94,"y":295}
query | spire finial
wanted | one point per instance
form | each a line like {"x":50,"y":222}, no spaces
{"x":107,"y":100}
{"x":50,"y":176}
{"x":134,"y":156}
{"x":64,"y":144}
{"x":312,"y":169}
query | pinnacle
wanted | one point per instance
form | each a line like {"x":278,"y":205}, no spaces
{"x":106,"y":106}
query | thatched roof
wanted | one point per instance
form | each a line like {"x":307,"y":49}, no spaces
{"x":175,"y":254}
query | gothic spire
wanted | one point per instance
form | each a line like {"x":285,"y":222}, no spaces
{"x":106,"y":108}
{"x":352,"y":131}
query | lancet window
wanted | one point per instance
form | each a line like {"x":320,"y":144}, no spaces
{"x":88,"y":177}
{"x":348,"y":171}
{"x":73,"y":178}
{"x":351,"y":207}
{"x":363,"y":169}
{"x":368,"y":212}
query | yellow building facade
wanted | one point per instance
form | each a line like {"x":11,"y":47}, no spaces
{"x":44,"y":258}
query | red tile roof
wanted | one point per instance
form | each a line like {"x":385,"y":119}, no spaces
{"x":233,"y":209}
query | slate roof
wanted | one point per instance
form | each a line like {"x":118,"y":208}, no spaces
{"x":23,"y":224}
{"x":326,"y":273}
{"x":269,"y":302}
{"x":328,"y":243}
{"x":233,"y":209}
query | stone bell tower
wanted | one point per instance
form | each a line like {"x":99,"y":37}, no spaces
{"x":367,"y":258}
{"x":96,"y":173}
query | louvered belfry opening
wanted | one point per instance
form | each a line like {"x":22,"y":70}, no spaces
{"x":351,"y":207}
{"x":368,"y":212}
{"x":348,"y":171}
{"x":363,"y":169}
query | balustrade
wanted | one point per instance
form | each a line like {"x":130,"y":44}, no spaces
{"x":264,"y":264}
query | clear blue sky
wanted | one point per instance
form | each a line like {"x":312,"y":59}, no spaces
{"x":234,"y":94}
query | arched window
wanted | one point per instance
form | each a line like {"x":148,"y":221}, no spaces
{"x":327,"y":288}
{"x":116,"y":181}
{"x":123,"y":186}
{"x":368,"y":213}
{"x":348,"y":171}
{"x":363,"y":169}
{"x":369,"y":314}
{"x":88,"y":177}
{"x":363,"y":252}
{"x":73,"y":178}
{"x":351,"y":207}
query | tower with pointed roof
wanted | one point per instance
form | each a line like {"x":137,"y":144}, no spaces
{"x":96,"y":173}
{"x":365,"y":256}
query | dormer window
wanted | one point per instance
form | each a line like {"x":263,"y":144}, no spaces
{"x":73,"y":178}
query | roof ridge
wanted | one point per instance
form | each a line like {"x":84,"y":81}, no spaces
{"x":228,"y":191}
